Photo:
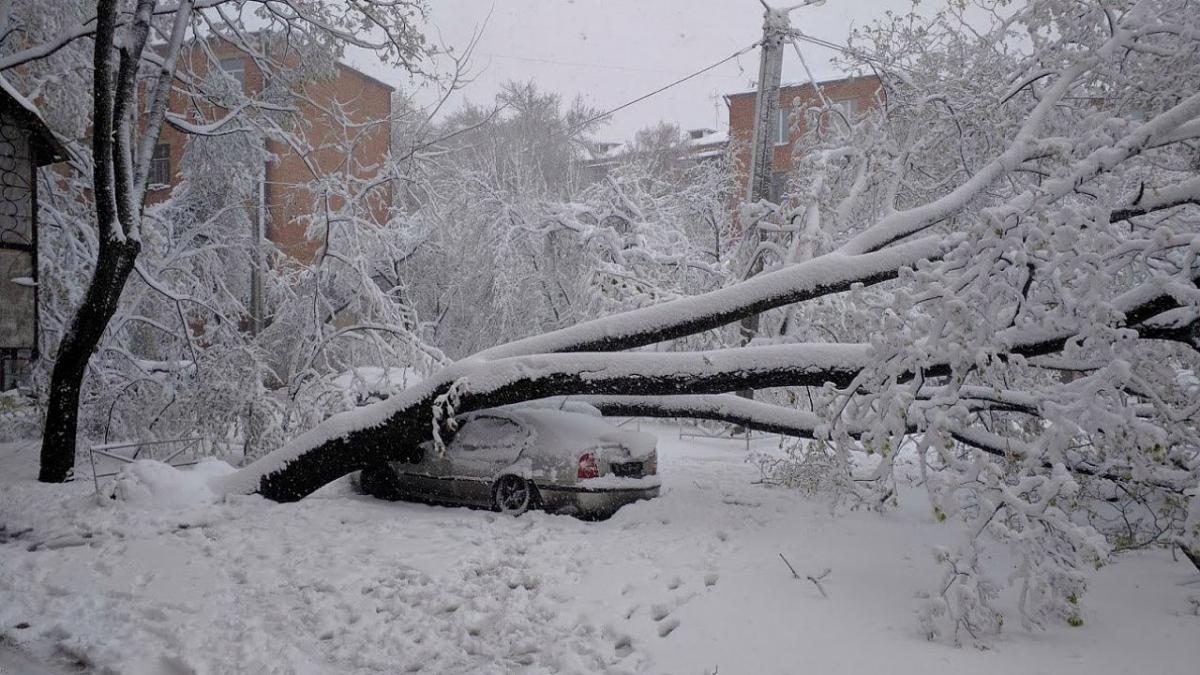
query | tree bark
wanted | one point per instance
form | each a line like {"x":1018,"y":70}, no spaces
{"x":78,"y":343}
{"x":117,"y":251}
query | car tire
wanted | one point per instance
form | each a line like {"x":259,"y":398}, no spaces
{"x":380,"y":481}
{"x":513,"y":495}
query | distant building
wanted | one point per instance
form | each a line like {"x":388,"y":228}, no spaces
{"x":701,"y":145}
{"x":284,"y":200}
{"x":706,"y":145}
{"x":26,"y":143}
{"x":852,"y":95}
{"x":280,"y":211}
{"x":600,"y":157}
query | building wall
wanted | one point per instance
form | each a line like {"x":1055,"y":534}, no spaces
{"x":288,"y":203}
{"x":359,"y":151}
{"x":18,"y":297}
{"x":861,"y":90}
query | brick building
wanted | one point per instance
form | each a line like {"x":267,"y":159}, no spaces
{"x":284,"y":199}
{"x":26,"y":143}
{"x":851,"y":95}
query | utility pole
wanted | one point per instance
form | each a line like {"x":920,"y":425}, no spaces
{"x":258,"y":265}
{"x":776,"y":30}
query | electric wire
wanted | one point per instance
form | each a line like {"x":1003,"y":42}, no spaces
{"x":583,"y":64}
{"x":727,"y":59}
{"x":848,"y":51}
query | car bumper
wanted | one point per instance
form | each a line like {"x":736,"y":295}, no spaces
{"x":591,"y":502}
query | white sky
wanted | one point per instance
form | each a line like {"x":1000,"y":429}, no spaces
{"x":612,"y":51}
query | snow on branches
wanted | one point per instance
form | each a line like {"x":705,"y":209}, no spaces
{"x":991,"y":276}
{"x":1011,"y":238}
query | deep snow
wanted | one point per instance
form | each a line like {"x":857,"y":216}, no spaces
{"x":688,"y":583}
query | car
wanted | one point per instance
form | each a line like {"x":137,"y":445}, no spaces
{"x":516,"y":458}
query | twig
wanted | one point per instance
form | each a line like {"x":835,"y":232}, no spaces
{"x":817,"y":581}
{"x":793,"y":569}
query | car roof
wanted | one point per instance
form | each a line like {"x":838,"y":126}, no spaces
{"x":568,"y":430}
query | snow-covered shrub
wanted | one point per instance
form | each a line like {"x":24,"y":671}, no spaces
{"x":19,"y":416}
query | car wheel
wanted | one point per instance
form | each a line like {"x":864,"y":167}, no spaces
{"x":380,"y":481}
{"x":513,"y":495}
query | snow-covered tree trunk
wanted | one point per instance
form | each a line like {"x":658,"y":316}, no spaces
{"x":110,"y":332}
{"x":117,"y":219}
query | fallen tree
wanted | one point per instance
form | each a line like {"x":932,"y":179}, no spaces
{"x":1018,"y":247}
{"x":389,"y":430}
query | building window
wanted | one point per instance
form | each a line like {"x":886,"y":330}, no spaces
{"x":235,"y":67}
{"x":782,"y":133}
{"x":16,"y":369}
{"x":160,"y":165}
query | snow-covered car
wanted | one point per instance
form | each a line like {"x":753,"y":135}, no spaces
{"x":517,"y":458}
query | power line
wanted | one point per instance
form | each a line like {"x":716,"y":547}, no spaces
{"x":581,"y":64}
{"x":857,"y":53}
{"x":660,"y":90}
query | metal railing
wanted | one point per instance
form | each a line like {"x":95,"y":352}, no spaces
{"x":110,"y":451}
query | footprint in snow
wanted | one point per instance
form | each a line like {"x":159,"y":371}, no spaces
{"x":659,"y":612}
{"x":623,"y":645}
{"x":665,"y":628}
{"x":710,"y":579}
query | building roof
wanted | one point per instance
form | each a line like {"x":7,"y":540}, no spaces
{"x":48,"y":148}
{"x":370,"y":78}
{"x":711,"y":137}
{"x":802,"y":84}
{"x":599,"y":153}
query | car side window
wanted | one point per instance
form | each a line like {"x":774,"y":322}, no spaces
{"x":488,"y":435}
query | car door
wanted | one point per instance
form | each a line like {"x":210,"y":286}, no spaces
{"x":430,"y":478}
{"x":484,"y":446}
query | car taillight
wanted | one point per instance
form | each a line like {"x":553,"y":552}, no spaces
{"x":588,"y":466}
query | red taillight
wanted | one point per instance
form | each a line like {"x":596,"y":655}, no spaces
{"x":588,"y":466}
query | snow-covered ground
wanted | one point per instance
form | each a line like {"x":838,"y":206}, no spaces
{"x":689,"y":583}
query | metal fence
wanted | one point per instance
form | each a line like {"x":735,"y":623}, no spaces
{"x":113,"y":456}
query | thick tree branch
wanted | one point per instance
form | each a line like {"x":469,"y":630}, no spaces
{"x":774,"y":419}
{"x":389,"y":430}
{"x":1157,"y":199}
{"x":743,"y":412}
{"x":825,"y":275}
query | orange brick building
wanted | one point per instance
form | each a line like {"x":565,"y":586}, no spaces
{"x":852,"y":95}
{"x":357,"y":147}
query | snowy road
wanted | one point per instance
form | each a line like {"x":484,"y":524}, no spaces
{"x":689,"y":583}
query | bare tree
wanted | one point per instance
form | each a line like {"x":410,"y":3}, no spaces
{"x":135,"y":58}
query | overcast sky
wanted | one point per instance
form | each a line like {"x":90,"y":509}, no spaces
{"x":612,"y":51}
